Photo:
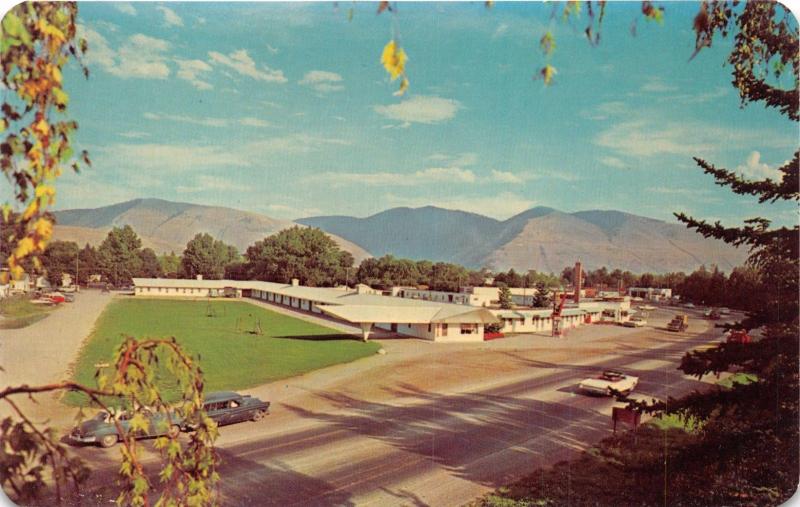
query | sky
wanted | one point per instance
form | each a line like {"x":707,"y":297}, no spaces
{"x":284,"y":109}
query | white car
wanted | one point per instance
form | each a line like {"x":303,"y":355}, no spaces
{"x":635,"y":322}
{"x":608,"y":380}
{"x":724,"y":311}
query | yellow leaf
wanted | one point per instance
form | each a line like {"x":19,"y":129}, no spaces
{"x":43,"y":228}
{"x":548,"y":72}
{"x":394,"y":59}
{"x":403,"y":87}
{"x":24,"y":247}
{"x":42,"y":127}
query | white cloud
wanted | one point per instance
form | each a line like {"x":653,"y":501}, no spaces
{"x":125,"y":8}
{"x":134,"y":134}
{"x":420,"y":109}
{"x":614,"y":162}
{"x":206,"y":121}
{"x":206,"y":183}
{"x":277,"y":210}
{"x":190,"y":70}
{"x":452,"y":175}
{"x":460,"y":160}
{"x":507,"y":177}
{"x":501,"y":30}
{"x":697,"y":98}
{"x":322,"y":81}
{"x":649,"y":138}
{"x":644,"y":139}
{"x":500,"y":206}
{"x":272,"y":50}
{"x":295,"y":143}
{"x":169,"y":157}
{"x":249,"y":121}
{"x":656,"y":85}
{"x":754,"y":168}
{"x":170,"y":17}
{"x":140,"y":56}
{"x":605,"y":110}
{"x":241,"y":62}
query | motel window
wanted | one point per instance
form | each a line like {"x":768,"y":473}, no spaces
{"x":429,"y":328}
{"x":159,"y":289}
{"x":469,"y":328}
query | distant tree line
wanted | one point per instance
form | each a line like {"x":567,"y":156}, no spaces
{"x":312,"y":257}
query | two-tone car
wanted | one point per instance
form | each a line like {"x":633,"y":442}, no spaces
{"x":102,"y":429}
{"x":228,"y":407}
{"x":608,"y":382}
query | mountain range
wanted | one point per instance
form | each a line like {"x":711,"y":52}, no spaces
{"x":540,"y":238}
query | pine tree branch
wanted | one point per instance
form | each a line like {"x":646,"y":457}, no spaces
{"x":767,"y":190}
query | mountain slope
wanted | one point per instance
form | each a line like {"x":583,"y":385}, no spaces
{"x":416,"y":233}
{"x":167,"y":226}
{"x":540,"y":238}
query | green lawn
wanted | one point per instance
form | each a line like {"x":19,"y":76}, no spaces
{"x":231,"y":355}
{"x":18,"y":311}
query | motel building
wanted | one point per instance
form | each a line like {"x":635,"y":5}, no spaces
{"x":364,"y":307}
{"x":614,"y":309}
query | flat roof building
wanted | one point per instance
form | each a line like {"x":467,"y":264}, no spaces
{"x":429,"y":320}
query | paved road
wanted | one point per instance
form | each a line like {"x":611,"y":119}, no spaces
{"x":439,"y":426}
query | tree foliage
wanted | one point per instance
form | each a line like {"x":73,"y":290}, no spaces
{"x":37,"y":40}
{"x":304,"y":253}
{"x":119,"y":255}
{"x":59,"y":257}
{"x":207,"y":257}
{"x":34,"y":456}
{"x":504,"y":297}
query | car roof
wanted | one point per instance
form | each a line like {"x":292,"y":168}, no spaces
{"x":221,"y":396}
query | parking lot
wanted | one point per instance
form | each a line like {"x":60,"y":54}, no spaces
{"x":436,"y":424}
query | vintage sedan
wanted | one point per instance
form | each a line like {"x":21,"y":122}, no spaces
{"x":228,"y":407}
{"x":102,"y":430}
{"x":635,"y":322}
{"x":608,"y":381}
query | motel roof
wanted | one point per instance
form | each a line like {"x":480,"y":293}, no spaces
{"x":345,"y":303}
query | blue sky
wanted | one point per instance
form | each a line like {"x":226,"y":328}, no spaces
{"x":284,"y":109}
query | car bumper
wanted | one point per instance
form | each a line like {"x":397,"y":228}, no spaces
{"x":83,"y":440}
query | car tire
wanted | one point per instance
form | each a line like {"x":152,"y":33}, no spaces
{"x":174,"y":431}
{"x":259,"y":415}
{"x":108,"y":441}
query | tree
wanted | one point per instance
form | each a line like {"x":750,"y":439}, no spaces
{"x":88,"y":264}
{"x":38,"y":40}
{"x":542,"y":297}
{"x":170,"y":264}
{"x":305,"y":253}
{"x":60,"y":257}
{"x":505,"y":298}
{"x":149,"y":266}
{"x":207,"y":256}
{"x":34,"y":457}
{"x":118,"y":255}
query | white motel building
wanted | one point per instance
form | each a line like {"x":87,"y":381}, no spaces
{"x":436,"y":317}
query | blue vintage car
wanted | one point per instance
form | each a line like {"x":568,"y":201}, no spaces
{"x":102,"y":430}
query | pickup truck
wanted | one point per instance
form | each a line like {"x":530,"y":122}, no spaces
{"x":679,"y":323}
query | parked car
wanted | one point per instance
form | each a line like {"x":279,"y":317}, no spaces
{"x":102,"y":430}
{"x":228,"y":407}
{"x":738,"y":336}
{"x":678,"y":323}
{"x":69,"y":297}
{"x":688,"y":305}
{"x":635,"y":322}
{"x":607,"y":381}
{"x":724,"y":311}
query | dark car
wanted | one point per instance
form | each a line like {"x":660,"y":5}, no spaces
{"x":228,"y":407}
{"x":101,"y":429}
